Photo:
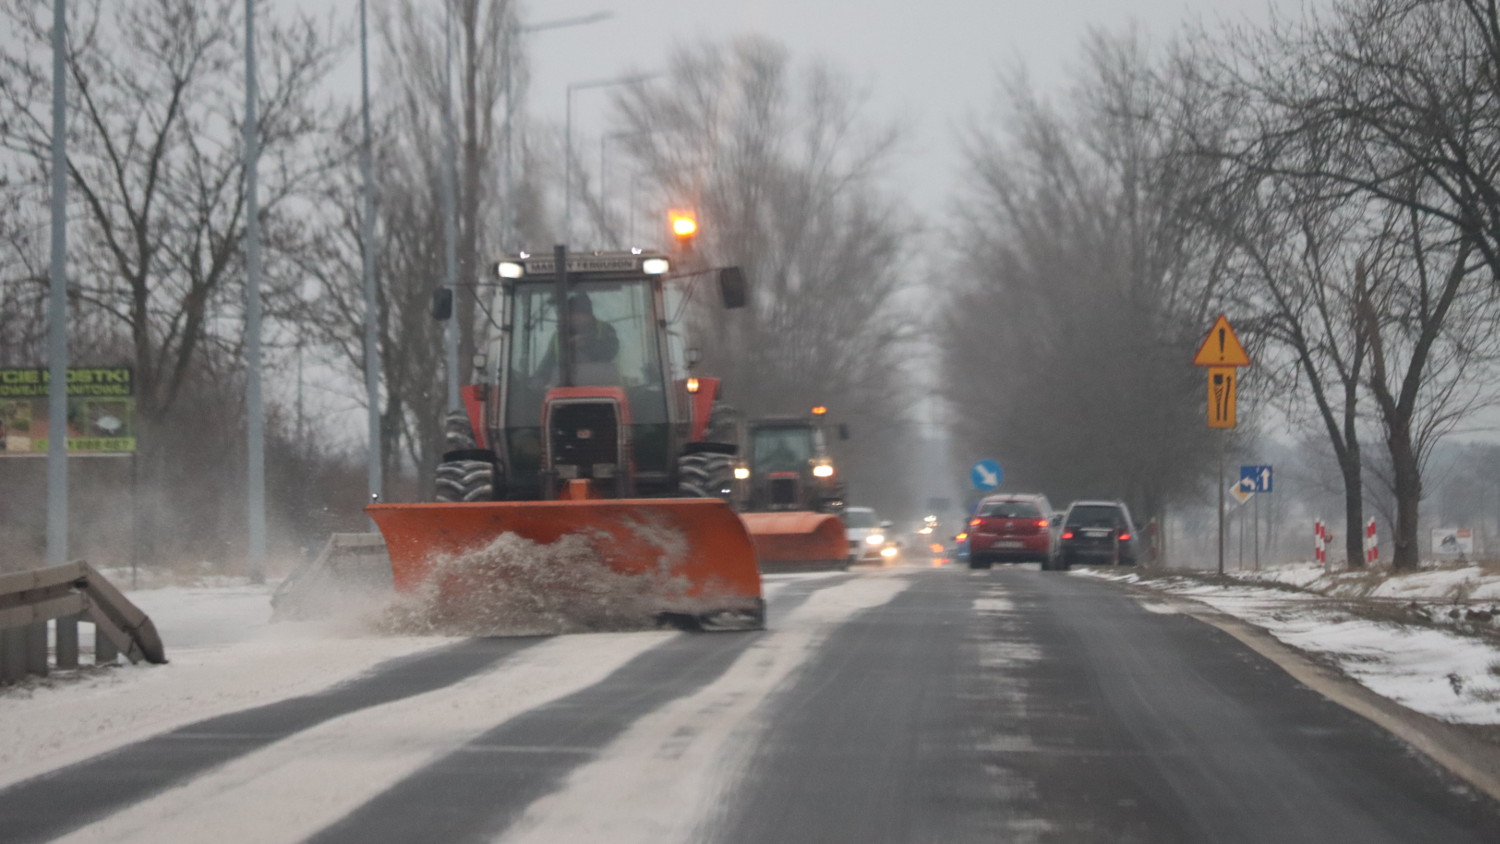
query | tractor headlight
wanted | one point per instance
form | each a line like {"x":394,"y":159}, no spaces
{"x":567,"y":471}
{"x":604,"y":470}
{"x":510,"y":269}
{"x":888,"y":552}
{"x":875,"y":539}
{"x":741,"y":473}
{"x":823,"y":470}
{"x":655,"y":266}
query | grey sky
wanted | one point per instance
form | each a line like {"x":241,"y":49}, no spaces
{"x":927,"y":64}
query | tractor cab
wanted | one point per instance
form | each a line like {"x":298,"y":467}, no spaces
{"x":582,"y":381}
{"x":787,"y":466}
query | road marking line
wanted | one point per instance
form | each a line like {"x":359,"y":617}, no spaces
{"x":666,"y":778}
{"x":295,"y":787}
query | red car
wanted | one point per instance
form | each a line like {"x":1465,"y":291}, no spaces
{"x":1011,"y":528}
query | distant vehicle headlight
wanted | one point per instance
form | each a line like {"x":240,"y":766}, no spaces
{"x":823,"y":470}
{"x":875,"y":539}
{"x":888,"y":552}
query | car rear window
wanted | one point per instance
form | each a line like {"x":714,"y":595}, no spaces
{"x":859,"y":518}
{"x":1095,"y":515}
{"x":1010,"y":510}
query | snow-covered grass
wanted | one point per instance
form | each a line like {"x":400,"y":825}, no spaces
{"x":1401,"y":635}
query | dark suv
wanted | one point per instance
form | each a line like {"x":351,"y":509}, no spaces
{"x":1097,"y":532}
{"x":1010,"y":528}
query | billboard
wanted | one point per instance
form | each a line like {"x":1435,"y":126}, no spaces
{"x":1453,"y":541}
{"x":101,"y":411}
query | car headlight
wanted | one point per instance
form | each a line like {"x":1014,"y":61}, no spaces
{"x":888,"y":552}
{"x":875,"y":539}
{"x":823,"y":470}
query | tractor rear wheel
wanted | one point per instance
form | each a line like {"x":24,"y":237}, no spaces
{"x":702,"y":474}
{"x":466,"y":480}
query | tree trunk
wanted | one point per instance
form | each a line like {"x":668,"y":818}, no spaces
{"x":1408,"y":490}
{"x":1354,"y":505}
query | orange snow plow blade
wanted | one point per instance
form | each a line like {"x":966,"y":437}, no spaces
{"x":798,"y":541}
{"x":688,"y":562}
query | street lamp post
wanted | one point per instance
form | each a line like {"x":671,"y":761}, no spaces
{"x":57,"y":304}
{"x":508,"y":219}
{"x":568,"y":140}
{"x":450,"y":210}
{"x":254,"y":408}
{"x":604,"y":169}
{"x":367,"y":260}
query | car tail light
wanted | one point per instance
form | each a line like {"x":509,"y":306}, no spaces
{"x":1124,"y":536}
{"x":1042,"y":523}
{"x":1067,"y":534}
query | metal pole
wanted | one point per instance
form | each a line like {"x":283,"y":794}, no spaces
{"x":1239,"y":524}
{"x":1255,"y":506}
{"x":450,"y":208}
{"x":256,"y":446}
{"x":567,"y":232}
{"x":367,"y":236}
{"x":507,"y":214}
{"x":57,"y":307}
{"x":1221,"y":504}
{"x":564,"y":322}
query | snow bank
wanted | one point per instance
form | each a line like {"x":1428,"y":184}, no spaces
{"x":1446,"y":674}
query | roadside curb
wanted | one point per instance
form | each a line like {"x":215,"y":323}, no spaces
{"x":1475,"y":762}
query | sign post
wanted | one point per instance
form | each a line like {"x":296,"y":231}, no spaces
{"x":1222,"y":354}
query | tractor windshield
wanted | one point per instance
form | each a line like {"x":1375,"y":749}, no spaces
{"x":782,"y":449}
{"x":612,"y":332}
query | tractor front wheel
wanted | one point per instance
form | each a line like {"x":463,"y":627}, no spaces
{"x":702,"y":474}
{"x":467,"y":479}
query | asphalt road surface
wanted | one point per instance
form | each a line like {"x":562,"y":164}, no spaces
{"x":894,"y":705}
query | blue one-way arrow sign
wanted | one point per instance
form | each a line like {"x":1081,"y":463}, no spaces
{"x":986,"y":474}
{"x":1255,"y":478}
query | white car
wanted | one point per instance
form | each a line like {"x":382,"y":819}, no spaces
{"x":870,"y":539}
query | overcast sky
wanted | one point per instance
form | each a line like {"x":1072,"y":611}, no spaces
{"x":927,"y":63}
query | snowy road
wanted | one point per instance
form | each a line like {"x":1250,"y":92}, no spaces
{"x":902,"y":704}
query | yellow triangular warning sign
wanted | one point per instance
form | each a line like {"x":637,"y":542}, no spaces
{"x":1221,"y":347}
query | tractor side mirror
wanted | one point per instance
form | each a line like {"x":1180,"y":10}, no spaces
{"x":843,"y":431}
{"x":442,"y":304}
{"x":732,"y":289}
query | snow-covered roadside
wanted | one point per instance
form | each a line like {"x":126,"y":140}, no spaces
{"x":1450,"y":675}
{"x":225,"y":654}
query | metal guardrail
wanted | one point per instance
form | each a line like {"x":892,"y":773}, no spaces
{"x":351,"y":572}
{"x":31,"y":601}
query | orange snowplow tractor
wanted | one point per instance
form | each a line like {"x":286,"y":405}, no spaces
{"x":697,"y":543}
{"x":798,"y":541}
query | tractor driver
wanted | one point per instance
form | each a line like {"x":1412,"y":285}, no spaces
{"x":592,"y":341}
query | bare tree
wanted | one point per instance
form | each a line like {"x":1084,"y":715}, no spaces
{"x":1387,"y":107}
{"x":1084,"y":284}
{"x":783,"y":171}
